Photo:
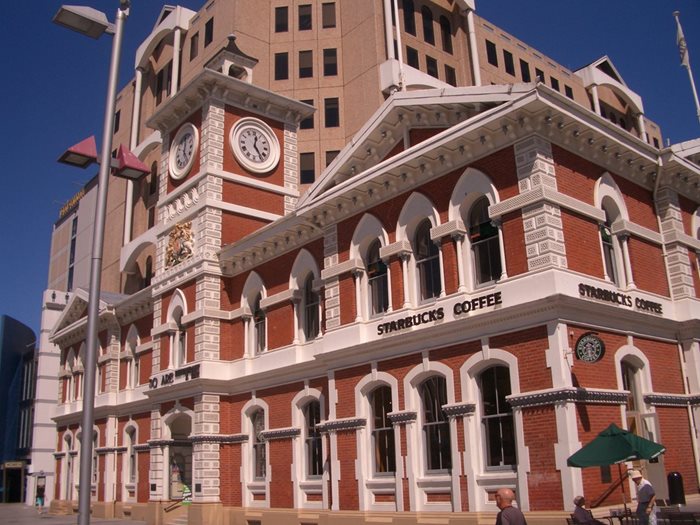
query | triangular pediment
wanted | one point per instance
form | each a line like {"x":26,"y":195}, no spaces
{"x":76,"y":308}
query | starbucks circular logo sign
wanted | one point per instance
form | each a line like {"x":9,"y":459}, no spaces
{"x":589,"y":347}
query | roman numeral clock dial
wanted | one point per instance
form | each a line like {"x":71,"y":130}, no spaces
{"x":254,"y":145}
{"x":182,"y":151}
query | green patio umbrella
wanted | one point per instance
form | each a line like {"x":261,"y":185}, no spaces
{"x":615,"y":445}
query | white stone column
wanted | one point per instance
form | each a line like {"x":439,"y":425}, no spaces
{"x":596,"y":100}
{"x":629,"y":279}
{"x":177,"y":52}
{"x":458,"y":239}
{"x":357,"y":277}
{"x":404,"y":270}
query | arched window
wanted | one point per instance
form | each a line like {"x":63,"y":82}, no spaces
{"x":436,"y":428}
{"x":631,"y":381}
{"x":483,"y":236}
{"x":608,"y":243}
{"x":257,"y":420}
{"x":179,"y":340}
{"x":428,"y":33}
{"x":446,"y":33}
{"x":382,"y":431}
{"x":427,"y":262}
{"x":311,"y":309}
{"x":131,"y":455}
{"x":259,"y":323}
{"x":497,"y":417}
{"x":312,"y":439}
{"x":377,"y":280}
{"x":409,"y":20}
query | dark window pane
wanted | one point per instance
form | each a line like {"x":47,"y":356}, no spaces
{"x":306,"y":64}
{"x":508,"y":61}
{"x":491,"y":53}
{"x":306,"y":167}
{"x":446,"y":32}
{"x":431,"y":65}
{"x":208,"y":32}
{"x":436,"y":429}
{"x":194,"y":46}
{"x":428,"y":32}
{"x":497,"y":416}
{"x":311,"y":306}
{"x":382,"y":431}
{"x":304,"y":17}
{"x":427,"y":262}
{"x":281,"y":66}
{"x":377,"y":280}
{"x":569,"y":92}
{"x":484,"y":239}
{"x":330,"y":62}
{"x":314,"y":449}
{"x":328,"y":15}
{"x":539,"y":75}
{"x":308,"y":122}
{"x":555,"y":83}
{"x":331,"y":155}
{"x":409,"y":20}
{"x":412,"y":57}
{"x":281,"y":19}
{"x":450,"y":75}
{"x":117,"y":118}
{"x":525,"y":71}
{"x":332,"y":112}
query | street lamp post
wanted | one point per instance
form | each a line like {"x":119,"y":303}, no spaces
{"x":93,"y":23}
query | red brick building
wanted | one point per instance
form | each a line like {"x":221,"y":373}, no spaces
{"x":481,"y":281}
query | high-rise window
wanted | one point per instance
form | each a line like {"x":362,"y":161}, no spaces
{"x":409,"y":20}
{"x":491,"y":53}
{"x":554,"y":82}
{"x":305,"y":17}
{"x":71,"y":254}
{"x":570,"y":93}
{"x":446,"y":33}
{"x":307,"y":172}
{"x":432,"y":66}
{"x":377,"y":280}
{"x":497,"y":417}
{"x":312,"y":439}
{"x":450,"y":75}
{"x":483,"y":236}
{"x":330,"y":62}
{"x":328,"y":15}
{"x":194,"y":46}
{"x":525,"y":71}
{"x":412,"y":57}
{"x":427,"y":262}
{"x":331,"y":155}
{"x":281,"y":66}
{"x":539,"y":75}
{"x":306,"y":64}
{"x":208,"y":32}
{"x":428,"y":32}
{"x":436,"y":427}
{"x":308,"y":122}
{"x":117,"y":118}
{"x":508,"y":62}
{"x":382,"y":431}
{"x":281,"y":19}
{"x":332,"y":112}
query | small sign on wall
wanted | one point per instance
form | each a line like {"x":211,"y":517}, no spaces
{"x":590,"y":348}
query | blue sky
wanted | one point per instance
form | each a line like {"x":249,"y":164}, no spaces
{"x":53,"y":91}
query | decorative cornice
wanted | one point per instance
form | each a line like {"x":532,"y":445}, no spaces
{"x":402,"y":246}
{"x":280,"y":433}
{"x":220,"y":438}
{"x":141,"y":447}
{"x":341,"y":268}
{"x":154,"y":443}
{"x":405,"y":416}
{"x":568,"y":395}
{"x":672,"y":400}
{"x":350,"y":423}
{"x":459,"y":409}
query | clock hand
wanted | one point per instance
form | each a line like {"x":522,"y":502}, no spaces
{"x":255,"y":145}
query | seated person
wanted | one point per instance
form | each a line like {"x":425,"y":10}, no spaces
{"x":583,"y":516}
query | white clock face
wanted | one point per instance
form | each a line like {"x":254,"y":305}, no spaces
{"x":182,"y":151}
{"x":255,"y":145}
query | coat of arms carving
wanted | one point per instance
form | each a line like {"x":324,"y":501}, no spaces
{"x":180,"y":244}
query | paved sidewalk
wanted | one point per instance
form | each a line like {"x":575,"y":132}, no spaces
{"x":21,"y":514}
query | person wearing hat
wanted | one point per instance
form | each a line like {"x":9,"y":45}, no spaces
{"x":583,"y":516}
{"x":645,"y":498}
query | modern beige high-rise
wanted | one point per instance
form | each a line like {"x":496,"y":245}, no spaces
{"x":455,"y":206}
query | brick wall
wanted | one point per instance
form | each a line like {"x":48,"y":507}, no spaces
{"x":648,"y":267}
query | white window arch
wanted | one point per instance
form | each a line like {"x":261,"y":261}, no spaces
{"x":486,"y":377}
{"x":373,"y":294}
{"x":177,"y":309}
{"x":614,"y":247}
{"x":305,"y":281}
{"x":378,"y":444}
{"x":426,"y":464}
{"x":255,"y":420}
{"x":133,"y":368}
{"x":423,"y":274}
{"x":310,"y":470}
{"x":256,"y":321}
{"x":481,"y":249}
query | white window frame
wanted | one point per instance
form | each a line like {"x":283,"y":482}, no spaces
{"x":304,"y":485}
{"x":251,"y":485}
